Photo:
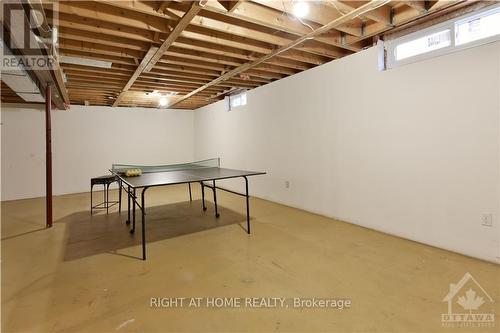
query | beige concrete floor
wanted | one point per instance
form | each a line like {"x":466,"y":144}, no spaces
{"x":83,"y":276}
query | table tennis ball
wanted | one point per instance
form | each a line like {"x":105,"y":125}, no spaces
{"x":133,"y":172}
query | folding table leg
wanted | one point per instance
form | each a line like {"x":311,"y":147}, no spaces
{"x":143,"y":223}
{"x":128,"y":205}
{"x":215,"y":199}
{"x":119,"y":196}
{"x":133,"y":212}
{"x":91,"y":204}
{"x":107,"y":198}
{"x":203,"y":196}
{"x":248,"y":205}
{"x":104,"y":194}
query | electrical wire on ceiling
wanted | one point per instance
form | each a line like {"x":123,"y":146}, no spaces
{"x":285,"y":12}
{"x":332,"y":2}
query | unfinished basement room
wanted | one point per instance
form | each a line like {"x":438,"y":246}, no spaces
{"x":250,"y":166}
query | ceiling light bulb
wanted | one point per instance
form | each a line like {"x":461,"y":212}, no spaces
{"x":300,"y":9}
{"x":163,"y":101}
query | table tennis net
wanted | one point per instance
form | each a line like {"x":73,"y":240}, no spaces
{"x":210,"y":163}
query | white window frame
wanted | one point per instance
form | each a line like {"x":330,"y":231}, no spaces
{"x":391,"y":45}
{"x":447,"y":32}
{"x":229,"y":106}
{"x":476,"y":16}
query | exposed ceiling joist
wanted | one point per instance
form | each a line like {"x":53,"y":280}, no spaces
{"x":344,"y":18}
{"x":439,"y":4}
{"x":152,"y":51}
{"x":230,"y":5}
{"x":226,"y":45}
{"x":453,"y":10}
{"x":180,"y":26}
{"x":381,"y":14}
{"x":163,"y":6}
{"x":421,"y":6}
{"x":273,"y":18}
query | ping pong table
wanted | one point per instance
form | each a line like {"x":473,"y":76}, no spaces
{"x":204,"y":172}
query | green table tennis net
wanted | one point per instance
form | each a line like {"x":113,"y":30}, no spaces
{"x":210,"y":163}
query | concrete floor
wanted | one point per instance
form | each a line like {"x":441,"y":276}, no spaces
{"x":83,"y":276}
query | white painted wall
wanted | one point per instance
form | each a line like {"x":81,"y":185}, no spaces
{"x":413,"y":151}
{"x":85,"y":142}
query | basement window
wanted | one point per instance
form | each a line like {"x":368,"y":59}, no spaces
{"x":234,"y":101}
{"x":478,"y":27}
{"x":434,"y":41}
{"x":450,"y":36}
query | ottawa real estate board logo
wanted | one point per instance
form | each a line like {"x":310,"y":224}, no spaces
{"x":469,"y":305}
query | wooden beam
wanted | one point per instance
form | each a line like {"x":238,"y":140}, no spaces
{"x":216,"y":40}
{"x":152,"y":51}
{"x":240,"y":24}
{"x":98,"y":56}
{"x":341,"y":20}
{"x":230,"y":5}
{"x":210,"y":24}
{"x":436,"y":17}
{"x":181,"y":25}
{"x":403,"y":15}
{"x":418,"y":5}
{"x":271,"y":16}
{"x":102,"y":38}
{"x":76,"y":45}
{"x":439,"y":4}
{"x":145,"y":7}
{"x":102,"y":11}
{"x":102,"y":71}
{"x":224,"y":92}
{"x":14,"y":32}
{"x":60,"y":86}
{"x":103,"y":27}
{"x":381,"y":14}
{"x":318,"y":15}
{"x":212,"y":55}
{"x":163,"y":6}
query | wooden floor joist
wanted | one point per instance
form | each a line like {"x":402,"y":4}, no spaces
{"x":211,"y":48}
{"x":342,"y":19}
{"x":181,"y":25}
{"x":138,"y":71}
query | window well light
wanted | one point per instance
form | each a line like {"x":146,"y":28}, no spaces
{"x":300,"y":9}
{"x":163,"y":101}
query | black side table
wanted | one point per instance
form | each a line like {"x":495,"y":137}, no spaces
{"x":106,"y":181}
